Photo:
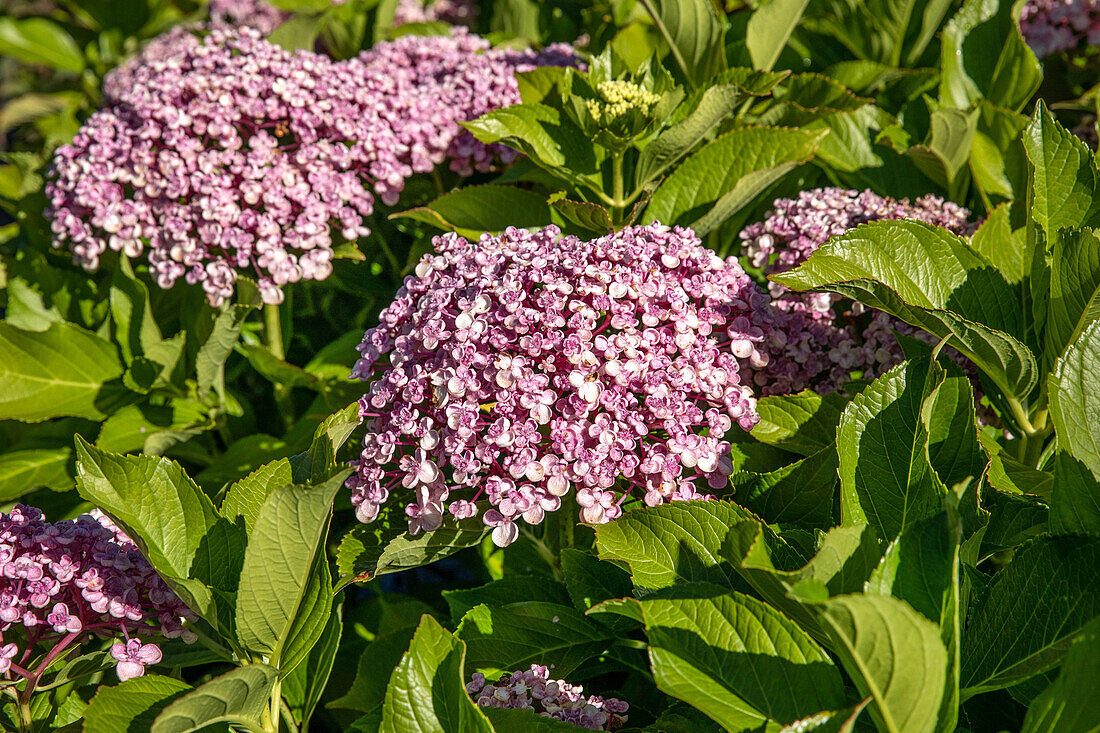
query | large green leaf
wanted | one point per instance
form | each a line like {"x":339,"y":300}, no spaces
{"x":427,"y":691}
{"x":131,"y":707}
{"x":54,"y":373}
{"x":1065,"y":177}
{"x":216,"y":348}
{"x":518,"y":635}
{"x":239,"y":696}
{"x":506,"y":590}
{"x":1003,"y":246}
{"x":769,"y":28}
{"x":1030,"y":612}
{"x":23,"y":471}
{"x":366,"y":551}
{"x":170,"y":518}
{"x":694,"y":32}
{"x":884,"y":265}
{"x":302,"y":688}
{"x":280,"y":590}
{"x":728,"y":173}
{"x":892,"y":32}
{"x":886,"y":475}
{"x":1075,"y":500}
{"x":372,"y":674}
{"x":894,"y":655}
{"x":984,"y":56}
{"x":804,"y":422}
{"x":801,"y":493}
{"x":246,"y":497}
{"x":1074,"y":289}
{"x":40,"y":41}
{"x":683,"y":542}
{"x":1074,"y":390}
{"x":1070,"y":704}
{"x":737,"y":659}
{"x":472,"y":210}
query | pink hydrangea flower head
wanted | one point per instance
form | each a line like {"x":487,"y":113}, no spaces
{"x":265,"y":17}
{"x":534,"y":690}
{"x":1053,"y":26}
{"x":527,"y":366}
{"x":823,"y":348}
{"x":64,"y":581}
{"x":456,"y":12}
{"x":220,"y":153}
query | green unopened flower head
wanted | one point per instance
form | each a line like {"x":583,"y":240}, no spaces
{"x":619,"y":98}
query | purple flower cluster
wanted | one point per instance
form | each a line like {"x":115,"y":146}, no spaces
{"x":528,"y":365}
{"x":61,"y":581}
{"x":1053,"y":26}
{"x":221,"y":152}
{"x":825,"y":346}
{"x":534,"y":690}
{"x":455,"y":12}
{"x":266,"y":18}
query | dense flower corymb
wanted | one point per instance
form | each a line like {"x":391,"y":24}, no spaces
{"x":226,"y":153}
{"x":527,"y":366}
{"x":1052,"y":26}
{"x":534,"y":690}
{"x":61,"y":581}
{"x":824,"y":347}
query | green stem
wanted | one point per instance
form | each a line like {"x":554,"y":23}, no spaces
{"x":272,"y":714}
{"x":617,"y":188}
{"x":273,"y":333}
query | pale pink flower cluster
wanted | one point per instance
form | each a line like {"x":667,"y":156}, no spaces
{"x":525,"y":367}
{"x":825,"y":346}
{"x":456,"y":12}
{"x":220,"y":152}
{"x":534,"y":690}
{"x":265,"y":17}
{"x":62,"y":582}
{"x":1053,"y":26}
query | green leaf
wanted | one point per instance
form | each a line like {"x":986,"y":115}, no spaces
{"x":210,"y":360}
{"x":801,"y":493}
{"x":40,"y":41}
{"x":590,"y":580}
{"x":883,"y":264}
{"x":804,"y":423}
{"x":518,"y":635}
{"x":170,"y":519}
{"x":131,"y":707}
{"x":507,"y":720}
{"x":1064,"y":183}
{"x":984,"y":56}
{"x":23,"y":471}
{"x":1075,"y":503}
{"x":737,"y":659}
{"x":683,"y":542}
{"x":239,"y":696}
{"x":728,"y":173}
{"x":372,"y":675}
{"x":769,"y":28}
{"x":695,"y":34}
{"x":427,"y":692}
{"x":714,"y":105}
{"x":946,"y":152}
{"x":279,"y":592}
{"x":886,"y":475}
{"x":366,"y":552}
{"x":302,"y":688}
{"x":582,"y":213}
{"x":541,"y":133}
{"x":142,"y":426}
{"x":1005,"y":248}
{"x":246,"y":497}
{"x":276,"y":370}
{"x":1070,"y":704}
{"x":318,"y":464}
{"x":1074,"y":389}
{"x":1030,"y":612}
{"x":1074,"y":301}
{"x":249,"y":454}
{"x":298,"y":33}
{"x":473,"y":210}
{"x":509,"y":589}
{"x":894,"y":655}
{"x":54,"y":373}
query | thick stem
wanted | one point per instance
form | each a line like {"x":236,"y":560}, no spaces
{"x":273,"y":334}
{"x":274,"y":710}
{"x":617,"y":189}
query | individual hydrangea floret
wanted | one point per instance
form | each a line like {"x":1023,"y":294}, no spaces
{"x":824,"y":348}
{"x":524,"y":367}
{"x":1053,"y":26}
{"x":221,"y":153}
{"x":534,"y":690}
{"x":61,"y":582}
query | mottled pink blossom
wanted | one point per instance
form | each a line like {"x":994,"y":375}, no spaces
{"x":1053,"y":26}
{"x":534,"y":690}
